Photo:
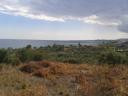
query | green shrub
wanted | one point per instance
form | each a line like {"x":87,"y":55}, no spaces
{"x":11,"y":59}
{"x":72,"y":61}
{"x":3,"y":53}
{"x":113,"y":58}
{"x":25,"y":55}
{"x":37,"y":56}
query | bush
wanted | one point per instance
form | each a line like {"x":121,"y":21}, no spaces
{"x":72,"y":61}
{"x":12,"y":59}
{"x":37,"y":56}
{"x":25,"y":55}
{"x":2,"y":55}
{"x":113,"y":58}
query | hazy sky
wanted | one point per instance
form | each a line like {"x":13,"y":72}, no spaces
{"x":63,"y":19}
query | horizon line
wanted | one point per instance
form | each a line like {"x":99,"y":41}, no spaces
{"x":60,"y":39}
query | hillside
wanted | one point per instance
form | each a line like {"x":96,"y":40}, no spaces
{"x":60,"y":70}
{"x":62,"y":79}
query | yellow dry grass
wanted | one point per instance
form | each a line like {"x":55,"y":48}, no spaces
{"x":87,"y":79}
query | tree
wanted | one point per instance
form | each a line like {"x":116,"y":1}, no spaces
{"x":28,"y":46}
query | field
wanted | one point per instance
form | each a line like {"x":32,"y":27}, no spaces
{"x":64,"y":71}
{"x":47,"y":78}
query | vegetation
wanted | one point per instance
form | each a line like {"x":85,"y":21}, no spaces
{"x":63,"y":79}
{"x":102,"y":54}
{"x":83,"y":71}
{"x":15,"y":83}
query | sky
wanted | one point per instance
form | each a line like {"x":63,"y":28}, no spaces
{"x":63,"y":19}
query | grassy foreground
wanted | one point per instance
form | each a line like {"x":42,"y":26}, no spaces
{"x":61,"y":79}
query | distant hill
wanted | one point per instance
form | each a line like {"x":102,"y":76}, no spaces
{"x":121,"y":43}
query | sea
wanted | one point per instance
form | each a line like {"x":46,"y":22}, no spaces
{"x":16,"y":43}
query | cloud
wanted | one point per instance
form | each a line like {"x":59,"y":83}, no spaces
{"x":16,"y":8}
{"x":97,"y":20}
{"x":123,"y":27}
{"x":101,"y":12}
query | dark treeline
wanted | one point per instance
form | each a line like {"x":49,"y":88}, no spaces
{"x":102,"y":54}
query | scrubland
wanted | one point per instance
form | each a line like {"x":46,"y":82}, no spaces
{"x":64,"y":71}
{"x":46,"y":78}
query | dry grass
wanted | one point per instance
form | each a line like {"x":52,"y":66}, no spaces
{"x":59,"y":79}
{"x":15,"y":83}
